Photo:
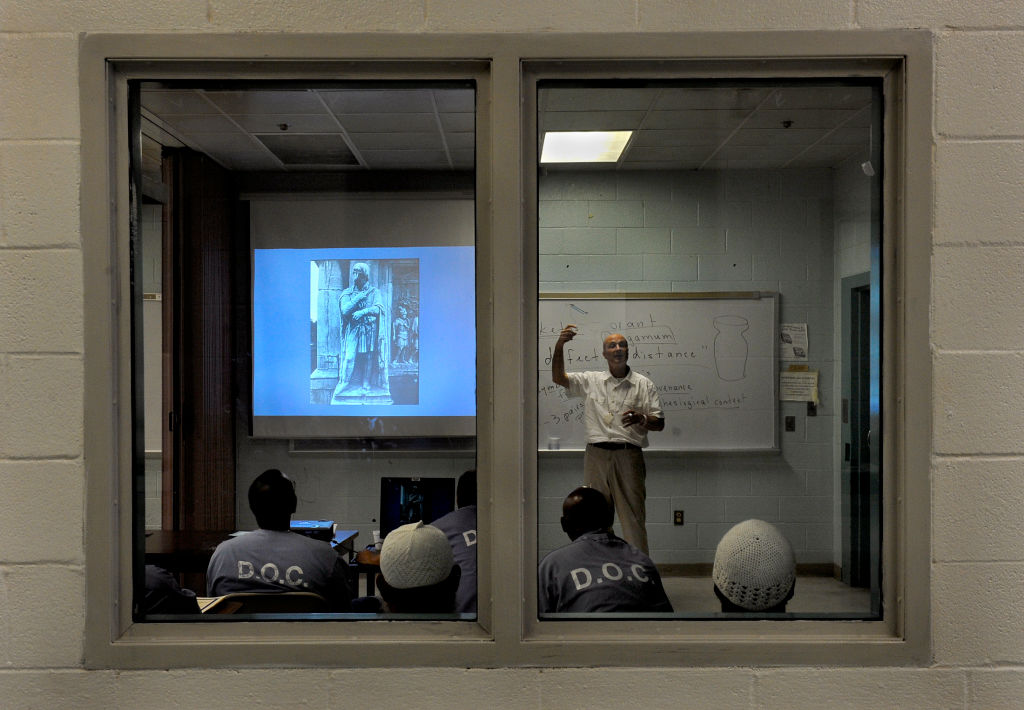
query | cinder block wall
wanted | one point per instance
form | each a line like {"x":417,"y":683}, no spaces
{"x":977,"y":560}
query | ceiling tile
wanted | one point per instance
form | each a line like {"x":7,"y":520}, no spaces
{"x":463,"y":122}
{"x":415,"y":159}
{"x":780,"y":154}
{"x":686,"y":154}
{"x":663,"y":165}
{"x":711,"y":118}
{"x":379,"y":100}
{"x":723,"y":98}
{"x":455,"y":100}
{"x":296,"y":123}
{"x":396,"y":141}
{"x":389,"y":122}
{"x":596,"y":99}
{"x":247,"y":161}
{"x":311,"y":149}
{"x":801,"y":118}
{"x":745,"y":165}
{"x":263,"y":102}
{"x":827,"y":156}
{"x":778,"y":136}
{"x":458,"y":140}
{"x":817,"y":97}
{"x":169,"y":103}
{"x":585,"y":121}
{"x":225,"y":142}
{"x":194,"y":125}
{"x":849,"y":134}
{"x":683,"y":137}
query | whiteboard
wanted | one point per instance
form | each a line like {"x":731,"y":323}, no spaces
{"x":712,"y":356}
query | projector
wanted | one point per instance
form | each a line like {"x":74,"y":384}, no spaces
{"x":316,"y":529}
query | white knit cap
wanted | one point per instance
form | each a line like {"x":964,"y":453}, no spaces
{"x":415,"y":555}
{"x":754,"y":565}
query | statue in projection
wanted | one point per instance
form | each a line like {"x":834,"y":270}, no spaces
{"x":404,"y":335}
{"x":363,"y":371}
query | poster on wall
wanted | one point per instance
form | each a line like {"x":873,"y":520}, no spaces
{"x":792,"y":341}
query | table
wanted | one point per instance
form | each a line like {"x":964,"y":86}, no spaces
{"x":368,"y":562}
{"x":345,"y":542}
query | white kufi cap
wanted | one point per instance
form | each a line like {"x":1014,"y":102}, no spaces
{"x":754,"y":565}
{"x":415,"y":555}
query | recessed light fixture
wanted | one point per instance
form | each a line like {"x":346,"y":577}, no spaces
{"x":583,"y":146}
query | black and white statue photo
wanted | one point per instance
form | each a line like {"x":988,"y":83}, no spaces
{"x":366,"y":332}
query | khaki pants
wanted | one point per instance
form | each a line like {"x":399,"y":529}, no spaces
{"x":621,"y":475}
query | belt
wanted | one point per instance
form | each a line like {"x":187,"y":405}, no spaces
{"x":614,"y":445}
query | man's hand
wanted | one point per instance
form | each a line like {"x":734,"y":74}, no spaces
{"x":558,"y":375}
{"x":567,"y":334}
{"x":632,"y":418}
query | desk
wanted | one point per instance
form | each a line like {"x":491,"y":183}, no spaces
{"x":344,"y":542}
{"x":368,"y":562}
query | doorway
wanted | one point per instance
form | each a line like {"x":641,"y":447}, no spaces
{"x":856,"y":471}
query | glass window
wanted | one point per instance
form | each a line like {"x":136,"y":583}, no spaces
{"x":801,"y":246}
{"x":301,"y":253}
{"x":709,"y":348}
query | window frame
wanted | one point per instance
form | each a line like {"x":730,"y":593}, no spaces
{"x":507,"y":632}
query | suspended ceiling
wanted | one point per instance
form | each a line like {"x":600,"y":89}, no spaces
{"x":432,"y":129}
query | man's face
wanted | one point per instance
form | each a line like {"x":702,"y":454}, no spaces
{"x":360,"y":277}
{"x":616,"y":349}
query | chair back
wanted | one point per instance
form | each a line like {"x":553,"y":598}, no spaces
{"x":270,"y":603}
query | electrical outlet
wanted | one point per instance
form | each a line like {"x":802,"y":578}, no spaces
{"x":677,"y":517}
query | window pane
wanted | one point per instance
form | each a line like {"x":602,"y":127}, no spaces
{"x":728,"y":236}
{"x":304,"y":250}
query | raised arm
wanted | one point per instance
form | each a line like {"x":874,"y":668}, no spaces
{"x":558,"y":375}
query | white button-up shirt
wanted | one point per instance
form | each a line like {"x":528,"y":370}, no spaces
{"x":605,"y":399}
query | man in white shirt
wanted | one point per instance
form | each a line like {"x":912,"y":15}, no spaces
{"x":620,"y":407}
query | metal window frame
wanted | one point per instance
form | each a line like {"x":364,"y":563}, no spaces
{"x":507,"y":632}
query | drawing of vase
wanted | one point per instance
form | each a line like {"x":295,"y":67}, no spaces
{"x":731,"y":347}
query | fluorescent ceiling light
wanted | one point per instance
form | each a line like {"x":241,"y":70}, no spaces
{"x":583,"y":146}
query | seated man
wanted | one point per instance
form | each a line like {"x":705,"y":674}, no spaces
{"x":597,"y":571}
{"x":274,"y":559}
{"x":755,"y":569}
{"x":418,"y":574}
{"x":460,"y":527}
{"x":164,"y":596}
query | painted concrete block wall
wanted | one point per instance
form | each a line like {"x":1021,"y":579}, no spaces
{"x":979,"y":158}
{"x":654,"y":231}
{"x":977,"y":556}
{"x":344,"y":488}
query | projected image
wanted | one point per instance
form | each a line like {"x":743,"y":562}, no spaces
{"x":365,"y":331}
{"x":364,"y":347}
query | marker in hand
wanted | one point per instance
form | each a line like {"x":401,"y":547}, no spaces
{"x":632,"y":418}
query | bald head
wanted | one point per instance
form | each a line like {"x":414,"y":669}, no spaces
{"x":585,"y":510}
{"x":616,"y":351}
